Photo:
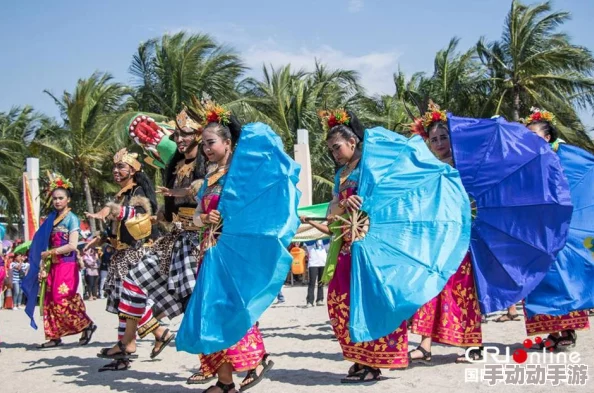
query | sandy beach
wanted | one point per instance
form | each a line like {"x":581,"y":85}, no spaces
{"x":300,"y":340}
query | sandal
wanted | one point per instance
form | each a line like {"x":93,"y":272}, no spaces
{"x":116,"y":365}
{"x":164,"y":342}
{"x":122,"y":355}
{"x":426,"y":359}
{"x":567,"y":340}
{"x":355,"y":369}
{"x":253,"y":374}
{"x":199,"y":378}
{"x":87,"y":334}
{"x":50,"y":344}
{"x":376,"y":375}
{"x":554,"y":340}
{"x":222,"y":386}
{"x":474,"y":355}
{"x":508,"y":317}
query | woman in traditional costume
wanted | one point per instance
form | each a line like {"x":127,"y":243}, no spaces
{"x":219,"y":138}
{"x":561,"y":328}
{"x":344,"y":139}
{"x":64,"y":311}
{"x":453,"y":316}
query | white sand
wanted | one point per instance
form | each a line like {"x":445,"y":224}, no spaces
{"x":300,"y":340}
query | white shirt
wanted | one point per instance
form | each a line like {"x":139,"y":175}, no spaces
{"x":317,"y":256}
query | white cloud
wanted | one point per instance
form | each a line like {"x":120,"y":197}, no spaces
{"x":375,"y":68}
{"x":355,"y":6}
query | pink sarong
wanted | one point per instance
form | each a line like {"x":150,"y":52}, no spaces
{"x":546,"y":324}
{"x":453,"y":317}
{"x":243,"y":356}
{"x":64,"y":311}
{"x":390,"y":351}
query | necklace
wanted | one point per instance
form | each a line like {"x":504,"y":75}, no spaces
{"x":215,"y":175}
{"x":183,"y":169}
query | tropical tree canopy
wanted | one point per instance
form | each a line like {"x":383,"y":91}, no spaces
{"x":533,"y":63}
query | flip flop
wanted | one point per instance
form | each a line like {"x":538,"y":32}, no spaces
{"x":254,"y":375}
{"x":193,"y":381}
{"x":510,"y":317}
{"x":165,"y":342}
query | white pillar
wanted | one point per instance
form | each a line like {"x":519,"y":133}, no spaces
{"x":33,"y":177}
{"x":302,"y":156}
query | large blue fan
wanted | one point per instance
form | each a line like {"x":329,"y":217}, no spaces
{"x":242,"y":274}
{"x":419,"y":232}
{"x":523,"y":206}
{"x":568,"y":285}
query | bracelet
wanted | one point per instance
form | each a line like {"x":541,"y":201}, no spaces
{"x":342,"y":204}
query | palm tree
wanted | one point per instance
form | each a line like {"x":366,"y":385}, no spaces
{"x":290,"y":100}
{"x":172,"y":69}
{"x":84,"y":143}
{"x":535,"y":65}
{"x":15,"y":125}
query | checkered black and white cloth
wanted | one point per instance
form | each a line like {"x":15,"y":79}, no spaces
{"x":169,"y":293}
{"x":183,"y":269}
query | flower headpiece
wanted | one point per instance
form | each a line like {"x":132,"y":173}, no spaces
{"x":434,"y":114}
{"x":184,"y":120}
{"x":58,"y":181}
{"x":539,"y":115}
{"x":420,"y":124}
{"x":214,"y":113}
{"x":333,"y":118}
{"x":417,"y":128}
{"x":128,"y":158}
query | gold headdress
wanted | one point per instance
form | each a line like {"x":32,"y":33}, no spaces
{"x":128,"y":158}
{"x":184,"y":120}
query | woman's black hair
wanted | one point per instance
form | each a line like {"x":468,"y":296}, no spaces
{"x":547,"y":128}
{"x":353,"y":130}
{"x":142,"y":180}
{"x":231,"y":130}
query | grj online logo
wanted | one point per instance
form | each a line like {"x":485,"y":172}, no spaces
{"x":527,"y":368}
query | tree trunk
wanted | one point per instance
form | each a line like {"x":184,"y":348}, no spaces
{"x":516,"y":112}
{"x":89,"y":198}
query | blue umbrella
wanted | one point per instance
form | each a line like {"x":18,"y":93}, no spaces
{"x":568,"y":284}
{"x":419,"y":232}
{"x":243,"y":273}
{"x":523,"y":206}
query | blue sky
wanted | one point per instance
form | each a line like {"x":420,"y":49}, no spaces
{"x":51,"y":44}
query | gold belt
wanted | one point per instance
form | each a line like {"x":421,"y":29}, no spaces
{"x":185,"y":216}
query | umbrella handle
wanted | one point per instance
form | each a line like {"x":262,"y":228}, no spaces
{"x":317,"y":218}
